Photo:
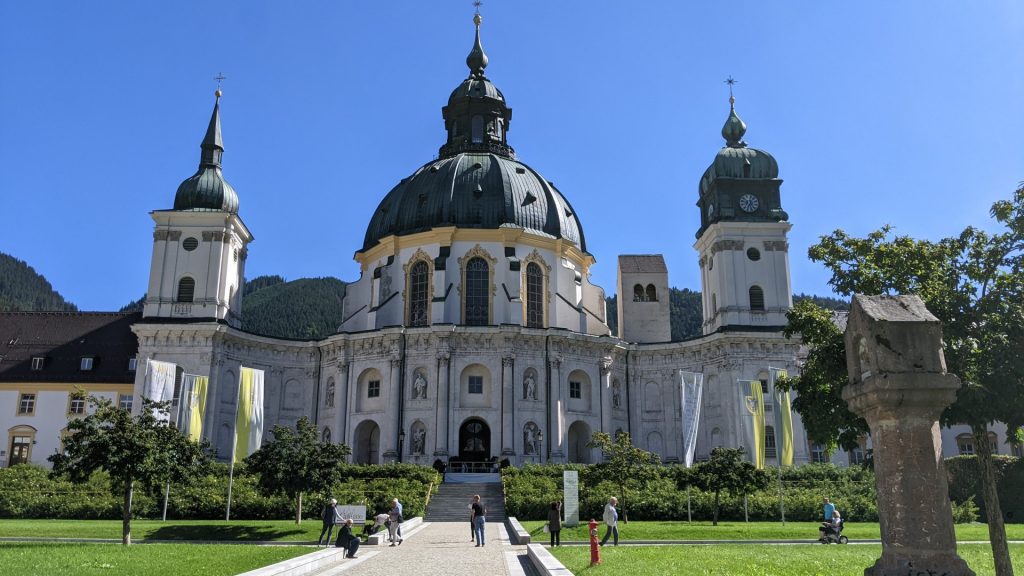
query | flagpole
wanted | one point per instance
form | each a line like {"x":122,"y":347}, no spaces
{"x":773,"y":375}
{"x":234,"y":446}
{"x":177,"y":424}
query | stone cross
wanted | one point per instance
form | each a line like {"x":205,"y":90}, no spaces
{"x":899,"y":384}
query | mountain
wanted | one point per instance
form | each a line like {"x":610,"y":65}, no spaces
{"x":22,"y":289}
{"x":307,"y":308}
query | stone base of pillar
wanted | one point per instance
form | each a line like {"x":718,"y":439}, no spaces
{"x":508,"y":452}
{"x":900,"y":565}
{"x":441,"y":453}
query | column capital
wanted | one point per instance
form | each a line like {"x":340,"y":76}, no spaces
{"x":507,"y":361}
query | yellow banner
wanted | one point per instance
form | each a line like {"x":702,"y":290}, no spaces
{"x":197,"y":407}
{"x":786,"y":417}
{"x":755,"y":406}
{"x":249,"y":414}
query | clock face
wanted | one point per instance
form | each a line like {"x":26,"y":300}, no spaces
{"x":748,"y":202}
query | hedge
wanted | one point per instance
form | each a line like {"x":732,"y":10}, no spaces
{"x":26,"y":491}
{"x":965,"y":483}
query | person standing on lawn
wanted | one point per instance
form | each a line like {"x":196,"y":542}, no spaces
{"x":555,"y":524}
{"x":611,"y":519}
{"x":347,"y":540}
{"x":479,"y":520}
{"x":330,"y":516}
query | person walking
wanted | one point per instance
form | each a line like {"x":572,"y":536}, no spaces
{"x":347,"y":540}
{"x":479,"y":520}
{"x":401,"y":517}
{"x":395,"y":520}
{"x":555,"y":524}
{"x":330,"y":516}
{"x":611,"y":519}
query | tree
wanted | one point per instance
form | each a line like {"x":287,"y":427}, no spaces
{"x":296,"y":461}
{"x":627,"y":465}
{"x":727,"y":471}
{"x":143,"y":451}
{"x":974,"y":284}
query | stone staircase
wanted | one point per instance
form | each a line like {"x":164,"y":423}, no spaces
{"x":451,"y":502}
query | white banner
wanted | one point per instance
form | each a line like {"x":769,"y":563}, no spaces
{"x":159,"y":384}
{"x":248,"y":413}
{"x":571,"y":504}
{"x":691,"y":388}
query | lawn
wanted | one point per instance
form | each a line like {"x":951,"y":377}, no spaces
{"x":240,"y":530}
{"x":31,"y":559}
{"x":734,"y":559}
{"x":643,"y":530}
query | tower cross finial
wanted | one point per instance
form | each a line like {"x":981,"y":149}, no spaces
{"x":731,"y":82}
{"x":219,"y":78}
{"x":477,"y":4}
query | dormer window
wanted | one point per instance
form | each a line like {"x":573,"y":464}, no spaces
{"x":133,"y":364}
{"x":478,"y":129}
{"x":86,"y":363}
{"x":38,"y":362}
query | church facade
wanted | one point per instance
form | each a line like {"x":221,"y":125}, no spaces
{"x":473,"y":332}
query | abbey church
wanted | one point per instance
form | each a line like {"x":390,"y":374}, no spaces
{"x":473,"y":333}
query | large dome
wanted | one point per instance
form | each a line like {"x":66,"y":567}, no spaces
{"x":475,"y":190}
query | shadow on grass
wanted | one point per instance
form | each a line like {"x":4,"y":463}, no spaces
{"x":222,"y":533}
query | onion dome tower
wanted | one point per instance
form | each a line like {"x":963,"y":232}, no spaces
{"x":744,"y":253}
{"x":200,"y":246}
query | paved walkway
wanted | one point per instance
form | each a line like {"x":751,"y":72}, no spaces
{"x":443,"y":548}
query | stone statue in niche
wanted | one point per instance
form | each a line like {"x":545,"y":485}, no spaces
{"x":529,"y":388}
{"x":419,"y":440}
{"x":616,"y":395}
{"x":531,"y":439}
{"x":419,"y":387}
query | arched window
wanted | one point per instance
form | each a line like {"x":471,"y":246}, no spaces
{"x":652,"y":293}
{"x":534,"y":296}
{"x":419,"y":278}
{"x":769,"y":442}
{"x":478,"y":129}
{"x":638,"y":293}
{"x":186,"y":289}
{"x":477,"y":290}
{"x":756,"y":298}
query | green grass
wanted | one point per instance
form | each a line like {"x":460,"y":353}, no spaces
{"x":752,"y":560}
{"x":241,"y":530}
{"x":31,"y":559}
{"x":644,"y":530}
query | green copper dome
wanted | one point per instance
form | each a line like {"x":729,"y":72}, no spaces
{"x":207,"y":190}
{"x":736,"y":159}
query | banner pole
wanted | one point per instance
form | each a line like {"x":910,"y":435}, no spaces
{"x":773,"y":374}
{"x":234,"y":446}
{"x":689,"y":517}
{"x":177,"y":424}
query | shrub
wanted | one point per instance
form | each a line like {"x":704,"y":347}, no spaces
{"x":965,"y":512}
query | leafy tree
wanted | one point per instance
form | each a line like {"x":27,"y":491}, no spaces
{"x":727,"y":471}
{"x":974,"y":284}
{"x":136,"y":451}
{"x":296,"y":461}
{"x":625,"y":464}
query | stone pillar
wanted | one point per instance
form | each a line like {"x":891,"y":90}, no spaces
{"x":507,"y":403}
{"x":606,"y":395}
{"x":341,"y":398}
{"x":899,"y":384}
{"x":557,"y":425}
{"x":443,"y":407}
{"x":391,"y":453}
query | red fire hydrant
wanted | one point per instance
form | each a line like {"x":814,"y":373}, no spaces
{"x":595,"y":551}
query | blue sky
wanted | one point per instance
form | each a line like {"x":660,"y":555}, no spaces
{"x":905,"y":113}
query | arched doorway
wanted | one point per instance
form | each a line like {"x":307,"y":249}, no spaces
{"x":579,"y":437}
{"x":367,"y":443}
{"x":474,"y":441}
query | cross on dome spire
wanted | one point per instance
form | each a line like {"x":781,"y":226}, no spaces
{"x":477,"y":60}
{"x":734,"y":127}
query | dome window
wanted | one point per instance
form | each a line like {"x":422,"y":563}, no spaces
{"x":190,"y":244}
{"x":534,"y":296}
{"x":477,"y":291}
{"x":753,"y":254}
{"x":186,"y":290}
{"x":419,"y":278}
{"x":529,"y":199}
{"x":478,"y":129}
{"x":756,"y":299}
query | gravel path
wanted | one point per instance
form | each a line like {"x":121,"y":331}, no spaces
{"x":441,"y":548}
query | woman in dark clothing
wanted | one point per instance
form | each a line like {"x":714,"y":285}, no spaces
{"x":555,"y":524}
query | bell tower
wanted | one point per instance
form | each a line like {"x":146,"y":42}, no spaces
{"x":200,"y":246}
{"x":742,"y":242}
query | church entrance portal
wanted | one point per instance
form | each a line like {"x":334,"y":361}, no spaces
{"x":367,"y":444}
{"x":474,"y":441}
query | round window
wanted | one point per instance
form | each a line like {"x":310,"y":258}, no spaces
{"x":190,"y":244}
{"x":753,"y":254}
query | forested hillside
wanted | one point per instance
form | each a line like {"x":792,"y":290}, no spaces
{"x":308,"y":308}
{"x":22,"y":289}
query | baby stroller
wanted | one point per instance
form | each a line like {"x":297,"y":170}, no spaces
{"x":833,"y":534}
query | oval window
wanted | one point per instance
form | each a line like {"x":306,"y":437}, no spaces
{"x":753,"y":254}
{"x":190,"y":244}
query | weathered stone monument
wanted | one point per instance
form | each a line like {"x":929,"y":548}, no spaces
{"x":899,"y":384}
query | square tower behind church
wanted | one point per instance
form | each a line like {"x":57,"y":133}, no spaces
{"x":643,"y":299}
